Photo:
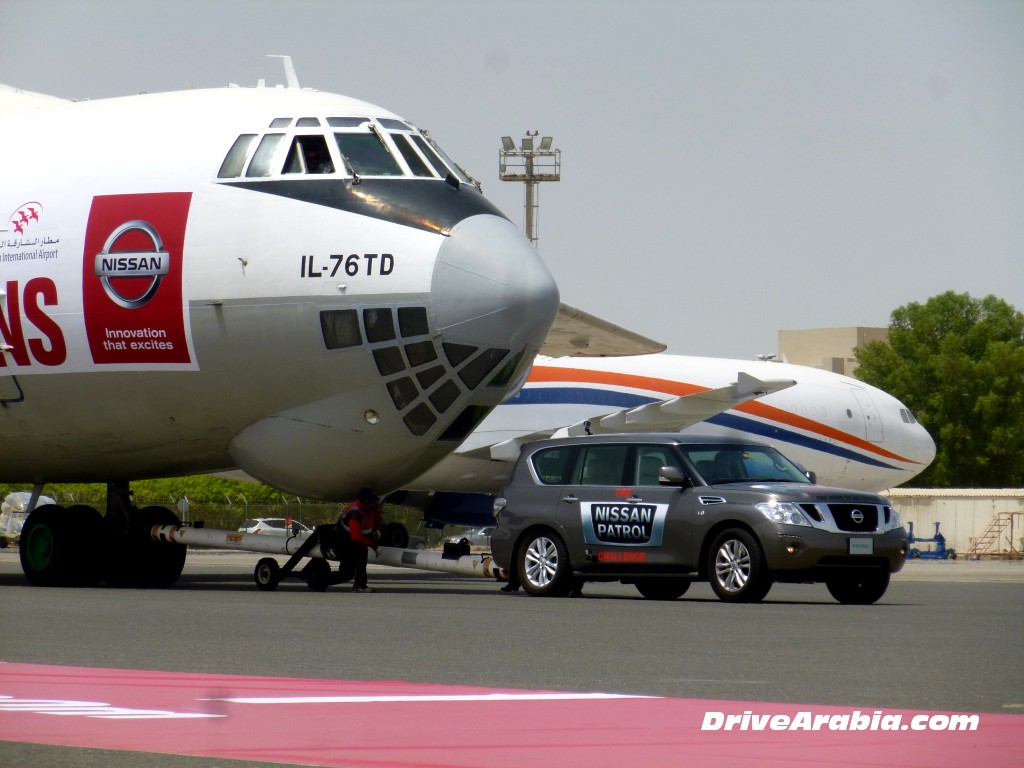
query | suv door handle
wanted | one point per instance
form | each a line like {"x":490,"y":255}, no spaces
{"x":571,"y":498}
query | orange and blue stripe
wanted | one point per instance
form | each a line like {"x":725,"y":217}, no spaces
{"x":549,"y":385}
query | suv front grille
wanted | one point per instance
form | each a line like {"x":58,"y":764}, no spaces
{"x":859,"y":518}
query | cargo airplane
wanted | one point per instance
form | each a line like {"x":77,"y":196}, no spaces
{"x":296,"y":284}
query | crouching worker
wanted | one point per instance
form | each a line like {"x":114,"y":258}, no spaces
{"x":359,"y":531}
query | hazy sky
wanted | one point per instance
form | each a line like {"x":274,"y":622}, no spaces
{"x":729,"y":168}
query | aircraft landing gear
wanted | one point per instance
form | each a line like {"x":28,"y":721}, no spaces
{"x":135,"y":559}
{"x":394,"y":535}
{"x":76,"y":547}
{"x":59,"y":546}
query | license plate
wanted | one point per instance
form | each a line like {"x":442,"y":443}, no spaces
{"x":861,"y":547}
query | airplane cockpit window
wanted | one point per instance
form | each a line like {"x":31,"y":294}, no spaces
{"x":452,"y":165}
{"x":308,"y":154}
{"x":364,"y":146}
{"x":418,"y":150}
{"x":235,"y":159}
{"x":412,"y":158}
{"x":367,"y":154}
{"x":435,"y":162}
{"x":347,"y":122}
{"x":261,"y":161}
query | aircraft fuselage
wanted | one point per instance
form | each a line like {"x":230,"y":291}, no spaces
{"x":183,"y":292}
{"x":851,"y":434}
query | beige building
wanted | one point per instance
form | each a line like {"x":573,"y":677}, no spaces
{"x":974,"y":521}
{"x":830,"y":349}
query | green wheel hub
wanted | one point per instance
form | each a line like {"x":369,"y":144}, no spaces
{"x":39,"y":547}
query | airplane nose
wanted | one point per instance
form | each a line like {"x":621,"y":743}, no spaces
{"x":923,"y":446}
{"x":490,"y":287}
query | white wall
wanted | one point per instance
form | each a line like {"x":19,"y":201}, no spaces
{"x":962,"y":514}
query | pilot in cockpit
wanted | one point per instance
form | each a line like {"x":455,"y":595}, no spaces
{"x":314,"y":164}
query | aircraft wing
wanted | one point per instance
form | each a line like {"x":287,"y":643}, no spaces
{"x":576,"y":333}
{"x":661,"y":416}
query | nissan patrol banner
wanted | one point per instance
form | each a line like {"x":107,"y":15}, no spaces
{"x":132,"y":280}
{"x":616,"y":523}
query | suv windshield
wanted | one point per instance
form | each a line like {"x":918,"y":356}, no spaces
{"x":731,"y":463}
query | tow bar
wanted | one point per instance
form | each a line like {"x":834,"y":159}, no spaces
{"x":318,"y":546}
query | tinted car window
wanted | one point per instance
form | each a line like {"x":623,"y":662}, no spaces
{"x":603,"y":465}
{"x":731,"y":463}
{"x":649,"y":461}
{"x":554,"y":465}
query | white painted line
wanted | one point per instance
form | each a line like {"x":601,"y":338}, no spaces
{"x":429,"y":697}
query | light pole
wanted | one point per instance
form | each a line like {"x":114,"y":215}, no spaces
{"x":529,"y":164}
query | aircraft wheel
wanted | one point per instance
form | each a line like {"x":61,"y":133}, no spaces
{"x":63,"y":547}
{"x":737,"y":569}
{"x":662,"y":589}
{"x":544,"y":568}
{"x":859,"y":590}
{"x":89,"y":553}
{"x":394,"y":535}
{"x":317,"y":574}
{"x":137,"y":560}
{"x":47,"y":550}
{"x":267,"y":574}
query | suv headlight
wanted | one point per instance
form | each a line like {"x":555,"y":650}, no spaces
{"x":785,"y":512}
{"x":892,"y":519}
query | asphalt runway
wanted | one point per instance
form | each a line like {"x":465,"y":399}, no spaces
{"x":946,"y":638}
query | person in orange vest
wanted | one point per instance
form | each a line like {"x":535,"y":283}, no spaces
{"x":359,"y":531}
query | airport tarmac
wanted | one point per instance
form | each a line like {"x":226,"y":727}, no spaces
{"x":944,"y":638}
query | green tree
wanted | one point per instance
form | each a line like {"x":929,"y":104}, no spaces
{"x":958,"y":364}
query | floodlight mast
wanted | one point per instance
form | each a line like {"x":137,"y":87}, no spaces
{"x":530,"y":165}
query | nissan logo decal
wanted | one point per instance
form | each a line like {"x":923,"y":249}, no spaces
{"x":152,"y":265}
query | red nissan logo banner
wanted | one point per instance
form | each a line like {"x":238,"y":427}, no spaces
{"x":132,"y":279}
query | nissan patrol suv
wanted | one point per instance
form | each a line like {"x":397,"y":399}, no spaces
{"x":664,"y":510}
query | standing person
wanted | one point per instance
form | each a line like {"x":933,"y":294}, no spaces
{"x":359,"y":526}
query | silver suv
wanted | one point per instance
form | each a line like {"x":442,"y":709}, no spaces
{"x":664,"y":510}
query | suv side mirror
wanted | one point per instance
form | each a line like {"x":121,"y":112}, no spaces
{"x":673,"y":476}
{"x":811,"y":476}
